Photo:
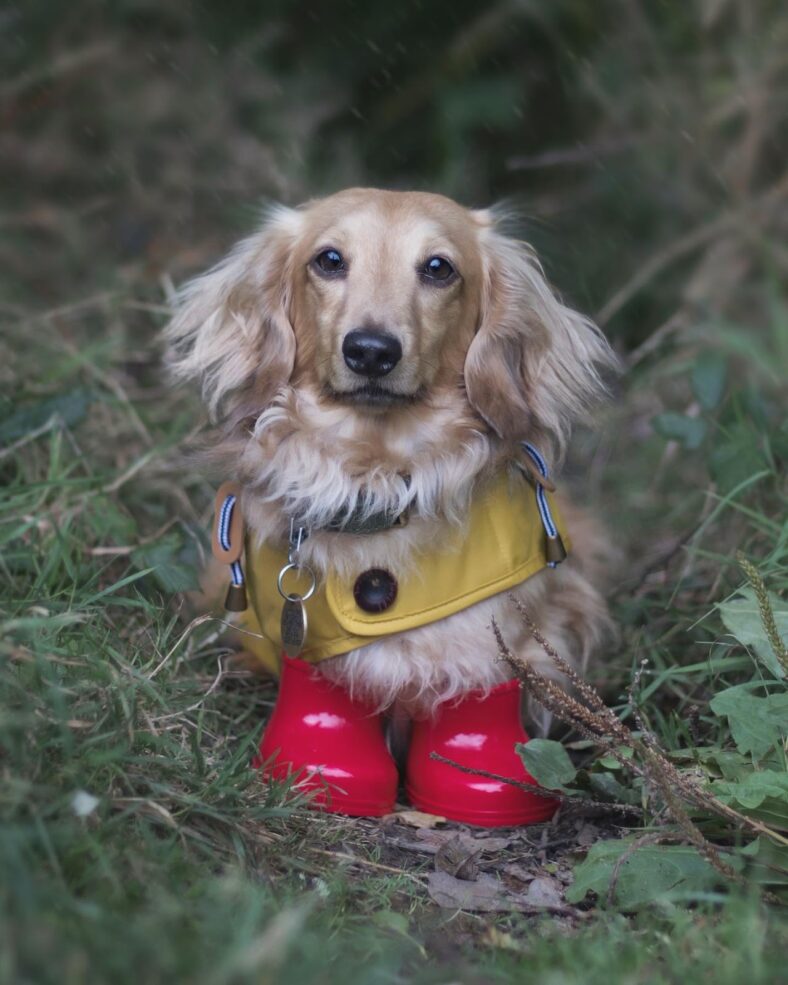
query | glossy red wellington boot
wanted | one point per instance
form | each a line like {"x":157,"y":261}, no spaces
{"x":479,"y":732}
{"x":333,"y":743}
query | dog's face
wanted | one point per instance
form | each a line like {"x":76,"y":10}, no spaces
{"x":386,"y":296}
{"x":379,"y":301}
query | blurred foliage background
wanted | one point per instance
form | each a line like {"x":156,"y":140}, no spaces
{"x":637,"y":138}
{"x":645,"y":146}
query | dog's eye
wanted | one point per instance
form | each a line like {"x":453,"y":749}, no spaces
{"x":330,"y":262}
{"x":438,"y":269}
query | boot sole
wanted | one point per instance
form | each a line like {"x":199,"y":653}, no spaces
{"x":538,"y":814}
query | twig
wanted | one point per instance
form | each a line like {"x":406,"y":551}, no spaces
{"x":372,"y":865}
{"x":686,"y":244}
{"x":198,"y":621}
{"x":61,"y":65}
{"x":54,"y":420}
{"x":197,"y":704}
{"x":528,"y":787}
{"x":580,"y":154}
{"x":583,"y":688}
{"x":566,"y":799}
{"x":118,"y":550}
{"x":130,"y":472}
{"x":654,"y":766}
{"x":663,"y":258}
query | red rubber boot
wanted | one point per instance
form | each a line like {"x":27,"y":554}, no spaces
{"x":334,"y":743}
{"x":479,"y":732}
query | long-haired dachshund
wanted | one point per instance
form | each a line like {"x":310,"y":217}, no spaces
{"x":393,"y":378}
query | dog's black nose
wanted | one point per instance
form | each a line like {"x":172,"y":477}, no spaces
{"x":371,"y":353}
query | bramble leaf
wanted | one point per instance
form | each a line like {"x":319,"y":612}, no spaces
{"x":652,"y":872}
{"x":757,"y":723}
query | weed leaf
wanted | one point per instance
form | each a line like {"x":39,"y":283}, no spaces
{"x":757,"y":723}
{"x":689,"y":431}
{"x":708,"y":379}
{"x":172,"y":562}
{"x":71,"y":407}
{"x":547,"y":762}
{"x":763,"y":795}
{"x":742,"y":619}
{"x":651,"y":872}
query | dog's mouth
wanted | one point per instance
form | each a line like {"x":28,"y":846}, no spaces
{"x":372,"y":394}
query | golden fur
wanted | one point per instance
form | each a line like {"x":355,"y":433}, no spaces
{"x":489,"y":359}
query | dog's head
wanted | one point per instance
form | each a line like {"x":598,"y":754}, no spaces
{"x":379,"y":301}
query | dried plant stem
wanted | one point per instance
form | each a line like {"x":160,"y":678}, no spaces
{"x":584,"y":689}
{"x":566,"y":799}
{"x":596,"y":721}
{"x":528,"y":787}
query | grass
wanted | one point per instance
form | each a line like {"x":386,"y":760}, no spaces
{"x":135,"y":843}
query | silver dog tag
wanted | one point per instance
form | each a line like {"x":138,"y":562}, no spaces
{"x":293,"y":626}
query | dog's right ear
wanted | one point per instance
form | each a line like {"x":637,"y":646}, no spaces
{"x":231,"y":329}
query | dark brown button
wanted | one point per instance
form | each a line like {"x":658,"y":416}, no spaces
{"x":375,"y":590}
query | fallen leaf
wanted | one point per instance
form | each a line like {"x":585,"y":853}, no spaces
{"x":544,"y":892}
{"x":485,"y":895}
{"x":588,"y":834}
{"x":519,"y":872}
{"x":458,"y":858}
{"x":501,"y":940}
{"x":418,"y":819}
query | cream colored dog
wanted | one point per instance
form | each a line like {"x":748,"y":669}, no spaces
{"x":387,"y":350}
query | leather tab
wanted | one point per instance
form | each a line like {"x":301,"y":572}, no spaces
{"x":555,"y":552}
{"x":236,"y":599}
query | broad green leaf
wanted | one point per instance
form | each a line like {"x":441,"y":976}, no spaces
{"x":766,"y":863}
{"x":690,"y":431}
{"x":736,"y":456}
{"x":725,"y":764}
{"x":393,"y":921}
{"x":763,"y":795}
{"x":610,"y":763}
{"x":651,"y":873}
{"x":757,"y":723}
{"x":754,"y":789}
{"x":174,"y":564}
{"x":547,"y":762}
{"x":708,"y":379}
{"x":488,"y":101}
{"x":71,"y":407}
{"x":606,"y":785}
{"x":110,"y":523}
{"x":742,"y":619}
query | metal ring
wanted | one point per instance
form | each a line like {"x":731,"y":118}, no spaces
{"x":292,"y":597}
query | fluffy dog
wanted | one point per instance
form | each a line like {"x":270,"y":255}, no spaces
{"x":378,"y":352}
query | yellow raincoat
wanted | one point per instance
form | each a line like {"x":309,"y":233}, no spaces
{"x":502,"y":544}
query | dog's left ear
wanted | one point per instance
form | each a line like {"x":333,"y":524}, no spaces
{"x":534,"y":366}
